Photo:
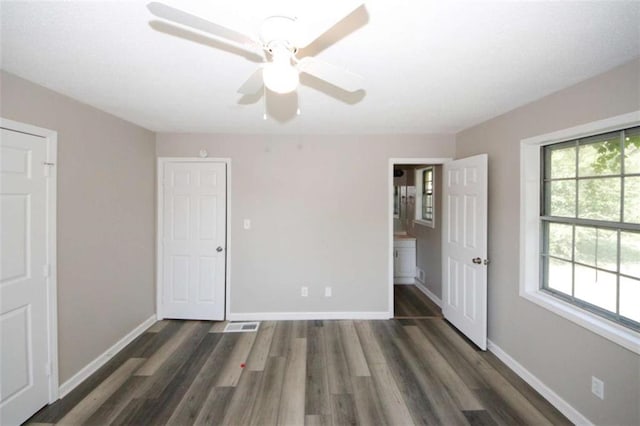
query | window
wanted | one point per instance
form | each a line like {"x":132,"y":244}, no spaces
{"x":425,"y":202}
{"x":591,"y":224}
{"x":580,"y":226}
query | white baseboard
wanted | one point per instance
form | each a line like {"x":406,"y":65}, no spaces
{"x":285,"y":316}
{"x":102,"y":359}
{"x":423,"y":288}
{"x":563,"y":406}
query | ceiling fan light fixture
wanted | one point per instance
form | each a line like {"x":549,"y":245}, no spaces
{"x":280,"y":75}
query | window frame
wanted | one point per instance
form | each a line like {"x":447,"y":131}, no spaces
{"x":420,"y":186}
{"x":531,"y":231}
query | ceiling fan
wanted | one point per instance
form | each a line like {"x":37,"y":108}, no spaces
{"x":278,"y":40}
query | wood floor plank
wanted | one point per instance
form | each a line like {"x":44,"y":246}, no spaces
{"x":412,"y":393}
{"x":157,"y":326}
{"x":190,"y":404}
{"x":171,"y":372}
{"x":368,"y":406}
{"x":157,"y":359}
{"x":292,"y":399}
{"x":344,"y":412}
{"x":85,"y":408}
{"x":281,"y":337}
{"x":393,"y":406}
{"x":113,"y":406}
{"x":265,"y":410}
{"x":243,"y":399}
{"x":370,"y":347}
{"x":337,"y":367}
{"x":218,"y":327}
{"x":317,"y":400}
{"x":479,"y":418}
{"x":463,"y":396}
{"x":236,"y":361}
{"x":260,"y":352}
{"x":215,"y":406}
{"x":353,"y":350}
{"x":438,"y":398}
{"x":317,"y":420}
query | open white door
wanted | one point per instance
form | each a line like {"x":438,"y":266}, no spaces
{"x":193,"y":237}
{"x":24,"y":327}
{"x":464,"y":247}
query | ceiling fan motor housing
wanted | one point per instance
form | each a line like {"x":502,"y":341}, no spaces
{"x":278,"y":33}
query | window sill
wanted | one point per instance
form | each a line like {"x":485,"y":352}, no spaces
{"x":621,"y":335}
{"x":430,"y":224}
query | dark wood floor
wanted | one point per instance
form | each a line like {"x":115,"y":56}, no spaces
{"x":396,"y":372}
{"x":410,"y":302}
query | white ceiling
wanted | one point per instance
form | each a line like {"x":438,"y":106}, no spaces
{"x":428,"y":66}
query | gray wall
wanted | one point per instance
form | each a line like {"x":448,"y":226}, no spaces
{"x":106,"y":211}
{"x":319,"y":211}
{"x":561,"y":354}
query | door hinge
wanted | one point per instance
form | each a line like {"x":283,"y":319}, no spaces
{"x":46,"y":270}
{"x":47,"y":167}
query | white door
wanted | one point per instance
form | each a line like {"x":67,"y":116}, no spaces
{"x":23,"y":283}
{"x":464,"y":247}
{"x":194,"y":240}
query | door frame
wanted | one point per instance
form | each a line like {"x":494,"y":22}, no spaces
{"x":51,"y":140}
{"x":394,"y":162}
{"x":160,"y":228}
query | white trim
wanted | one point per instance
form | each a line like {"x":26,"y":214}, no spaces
{"x":288,"y":316}
{"x":102,"y":359}
{"x":403,"y":280}
{"x":563,"y":406}
{"x":392,"y":162}
{"x":51,"y":138}
{"x":530,"y":231}
{"x":423,"y":288}
{"x":159,"y":227}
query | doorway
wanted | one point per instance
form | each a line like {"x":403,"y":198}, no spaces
{"x":412,"y":238}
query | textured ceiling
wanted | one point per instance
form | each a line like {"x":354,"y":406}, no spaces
{"x":428,"y":66}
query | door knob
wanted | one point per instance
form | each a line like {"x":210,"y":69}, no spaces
{"x":476,"y":260}
{"x":219,"y":249}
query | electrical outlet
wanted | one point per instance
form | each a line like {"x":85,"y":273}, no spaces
{"x":597,"y":387}
{"x":304,"y":291}
{"x":327,"y":292}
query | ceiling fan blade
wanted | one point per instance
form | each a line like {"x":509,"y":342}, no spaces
{"x":253,"y":84}
{"x":332,"y":74}
{"x":312,"y":28}
{"x":178,"y":16}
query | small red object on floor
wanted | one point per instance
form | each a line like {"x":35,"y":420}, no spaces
{"x":243,"y":365}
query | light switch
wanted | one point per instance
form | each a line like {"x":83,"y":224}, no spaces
{"x":247,"y":224}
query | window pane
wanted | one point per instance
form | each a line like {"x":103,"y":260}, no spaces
{"x":597,"y":247}
{"x":559,"y":276}
{"x":630,"y":298}
{"x":632,"y":151}
{"x":599,"y":199}
{"x":560,"y":238}
{"x":632,"y":199}
{"x":600,"y":157}
{"x":596,"y":287}
{"x":562,"y":198}
{"x":630,"y":253}
{"x":563,"y":163}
